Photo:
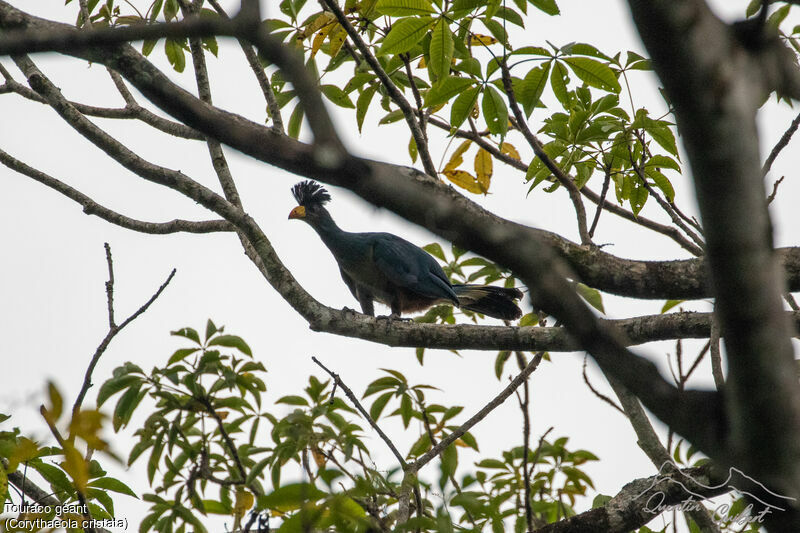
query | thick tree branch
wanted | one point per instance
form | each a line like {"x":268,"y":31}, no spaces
{"x":638,"y":503}
{"x":715,"y":81}
{"x":697,"y":415}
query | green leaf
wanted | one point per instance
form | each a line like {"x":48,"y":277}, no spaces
{"x":594,"y":73}
{"x":171,"y":9}
{"x":500,"y":362}
{"x":449,"y":462}
{"x":362,"y":104}
{"x":295,"y":122}
{"x":663,"y":161}
{"x":461,"y":8}
{"x":126,"y":406}
{"x":405,"y":33}
{"x":112,"y":484}
{"x":175,"y":55}
{"x":441,"y":50}
{"x":290,"y":497}
{"x":406,"y":410}
{"x":403,"y":8}
{"x":558,"y":81}
{"x":114,"y":385}
{"x":592,"y":296}
{"x":492,"y":463}
{"x":463,"y":106}
{"x":337,"y":96}
{"x":180,"y":354}
{"x":445,"y":89}
{"x":392,"y":116}
{"x":661,"y":132}
{"x":211,"y":329}
{"x":292,"y":400}
{"x":531,"y":88}
{"x":435,"y":249}
{"x":189,"y":333}
{"x":548,"y":6}
{"x":669,"y":304}
{"x":231,"y":341}
{"x":662,"y":182}
{"x":495,"y":112}
{"x":379,"y":404}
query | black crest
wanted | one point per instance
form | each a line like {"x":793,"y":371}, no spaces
{"x":309,"y":193}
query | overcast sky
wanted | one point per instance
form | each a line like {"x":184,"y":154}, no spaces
{"x":53,"y":311}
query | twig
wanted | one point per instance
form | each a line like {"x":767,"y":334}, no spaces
{"x":781,"y":144}
{"x":113,"y":329}
{"x":601,"y":203}
{"x":90,"y":207}
{"x":394,"y":93}
{"x":255,"y":65}
{"x":480,"y":415}
{"x":526,"y":437}
{"x":354,"y":400}
{"x":538,"y":149}
{"x":771,"y":197}
{"x":716,"y":355}
{"x":597,"y":393}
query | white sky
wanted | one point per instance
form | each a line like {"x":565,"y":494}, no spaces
{"x":53,"y":266}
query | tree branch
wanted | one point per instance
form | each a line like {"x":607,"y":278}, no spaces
{"x":90,"y":207}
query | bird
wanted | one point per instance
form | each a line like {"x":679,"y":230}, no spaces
{"x":389,"y":269}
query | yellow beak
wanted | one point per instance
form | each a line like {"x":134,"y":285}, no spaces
{"x":298,"y":212}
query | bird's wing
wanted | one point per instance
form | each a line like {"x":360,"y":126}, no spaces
{"x":410,"y":267}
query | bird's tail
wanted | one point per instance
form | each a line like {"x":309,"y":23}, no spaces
{"x":496,"y":302}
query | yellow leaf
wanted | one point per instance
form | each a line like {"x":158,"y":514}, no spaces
{"x":76,"y":466}
{"x":244,"y":501}
{"x":87,"y":424}
{"x":25,"y":450}
{"x":319,"y":457}
{"x":477,"y":38}
{"x":483,"y":169}
{"x":56,"y":402}
{"x":456,"y":159}
{"x":336,"y":37}
{"x":319,"y":38}
{"x":463,"y":179}
{"x":318,"y":23}
{"x":510,"y":151}
{"x":422,"y":63}
{"x":222,"y":414}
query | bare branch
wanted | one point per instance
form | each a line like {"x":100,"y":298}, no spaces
{"x":364,"y":413}
{"x":113,"y":329}
{"x":780,"y":145}
{"x":90,"y":207}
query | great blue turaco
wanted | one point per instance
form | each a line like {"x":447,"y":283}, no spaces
{"x":391,"y":270}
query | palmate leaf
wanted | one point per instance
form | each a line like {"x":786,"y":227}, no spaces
{"x":405,"y":33}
